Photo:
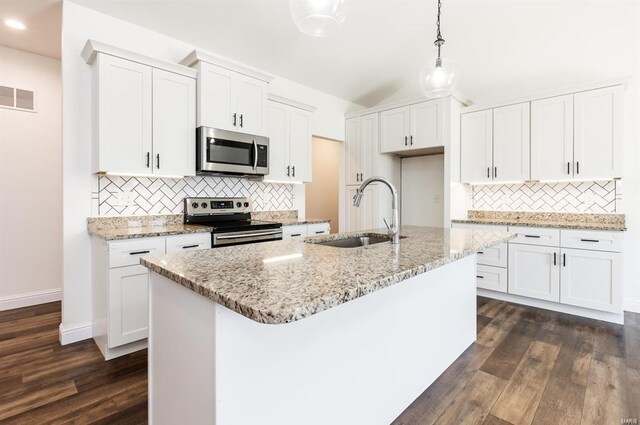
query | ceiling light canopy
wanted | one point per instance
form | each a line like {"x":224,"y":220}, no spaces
{"x":318,"y":18}
{"x":14,"y":24}
{"x":438,"y":77}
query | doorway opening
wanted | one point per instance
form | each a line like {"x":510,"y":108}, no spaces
{"x":322,"y":194}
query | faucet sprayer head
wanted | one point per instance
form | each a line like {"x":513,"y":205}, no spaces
{"x":357,"y":198}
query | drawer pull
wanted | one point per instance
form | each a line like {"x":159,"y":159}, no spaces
{"x":139,"y":252}
{"x":564,"y":260}
{"x":589,"y":240}
{"x":555,"y":254}
{"x":480,"y":252}
{"x":293,"y":235}
{"x":190,"y":246}
{"x":480,"y":277}
{"x":532,"y":236}
{"x":319,"y":232}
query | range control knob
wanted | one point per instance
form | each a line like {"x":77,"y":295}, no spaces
{"x":246,"y":205}
{"x":203,"y":205}
{"x":239,"y":204}
{"x":194,"y":205}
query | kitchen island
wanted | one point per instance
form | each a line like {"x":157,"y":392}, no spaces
{"x":294,"y":332}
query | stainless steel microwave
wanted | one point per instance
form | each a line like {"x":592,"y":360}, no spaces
{"x":228,"y":152}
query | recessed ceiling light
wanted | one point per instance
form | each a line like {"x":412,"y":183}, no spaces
{"x":15,"y":24}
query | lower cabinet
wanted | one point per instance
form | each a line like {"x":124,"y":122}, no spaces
{"x":121,"y":288}
{"x":588,"y":279}
{"x":303,"y":230}
{"x":534,"y":271}
{"x":492,"y":278}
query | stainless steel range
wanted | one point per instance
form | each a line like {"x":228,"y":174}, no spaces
{"x":231,"y":221}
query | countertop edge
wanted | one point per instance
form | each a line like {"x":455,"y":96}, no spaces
{"x":147,"y":233}
{"x":321,"y":304}
{"x":576,"y":226}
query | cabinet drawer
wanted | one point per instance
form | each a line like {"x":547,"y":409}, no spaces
{"x":494,"y":256}
{"x":595,"y":240}
{"x":318,"y":229}
{"x":182,"y":243}
{"x":294,"y":232}
{"x":535,"y":235}
{"x":490,"y":227}
{"x":128,"y":253}
{"x":492,"y":278}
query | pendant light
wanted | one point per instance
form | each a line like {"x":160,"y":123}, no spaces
{"x":438,"y":77}
{"x":317,"y":18}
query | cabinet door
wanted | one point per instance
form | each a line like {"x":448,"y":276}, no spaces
{"x":128,"y":305}
{"x":278,"y":142}
{"x":294,"y":232}
{"x":352,"y":215}
{"x":174,"y":124}
{"x":476,"y":146}
{"x":394,"y":130}
{"x":426,"y":130}
{"x":552,"y":138}
{"x":511,"y":143}
{"x":369,"y":144}
{"x":252,"y":105}
{"x":492,"y":278}
{"x":353,"y":151}
{"x":591,"y":279}
{"x":300,"y":145}
{"x":124,"y":116}
{"x":217,"y":97}
{"x":534,"y":271}
{"x":363,"y":217}
{"x":597,"y":140}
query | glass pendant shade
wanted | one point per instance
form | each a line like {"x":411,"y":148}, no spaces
{"x":438,"y":78}
{"x":317,"y":18}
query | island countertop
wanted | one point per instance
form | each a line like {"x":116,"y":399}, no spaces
{"x":285,"y":281}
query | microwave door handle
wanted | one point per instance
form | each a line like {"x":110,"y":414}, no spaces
{"x":255,"y":155}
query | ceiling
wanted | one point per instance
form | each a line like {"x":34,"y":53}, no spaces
{"x":502,"y":48}
{"x":43,"y":19}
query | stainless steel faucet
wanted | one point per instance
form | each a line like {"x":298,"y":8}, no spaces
{"x":394,"y":230}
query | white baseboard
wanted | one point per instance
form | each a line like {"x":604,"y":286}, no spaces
{"x":632,"y":306}
{"x":75,"y":333}
{"x":29,"y":299}
{"x":548,"y":305}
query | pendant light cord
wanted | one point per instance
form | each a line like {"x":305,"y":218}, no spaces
{"x":439,"y":40}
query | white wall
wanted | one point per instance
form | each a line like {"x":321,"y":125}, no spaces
{"x":30,"y":183}
{"x":80,"y":24}
{"x":423,"y":191}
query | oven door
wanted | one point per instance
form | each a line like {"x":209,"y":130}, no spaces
{"x":252,"y":236}
{"x":228,"y":152}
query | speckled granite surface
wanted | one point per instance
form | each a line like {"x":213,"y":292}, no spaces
{"x":285,"y":281}
{"x":297,"y":221}
{"x":563,"y":220}
{"x":140,"y":226}
{"x":286,"y":218}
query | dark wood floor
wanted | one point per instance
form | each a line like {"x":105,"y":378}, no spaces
{"x":528,"y":366}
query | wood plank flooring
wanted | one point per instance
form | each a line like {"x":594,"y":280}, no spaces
{"x":528,"y":366}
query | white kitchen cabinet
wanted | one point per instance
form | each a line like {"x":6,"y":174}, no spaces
{"x":318,"y":229}
{"x":294,"y":232}
{"x":364,"y":217}
{"x":289,"y":143}
{"x":123,"y":99}
{"x":552,"y":138}
{"x":145,"y":115}
{"x":120,"y":288}
{"x":511,"y":143}
{"x":394,"y":129}
{"x":361,"y":148}
{"x":534,"y":271}
{"x":174,"y":122}
{"x":492,"y":278}
{"x":426,"y":125}
{"x":591,"y":279}
{"x":232,"y":101}
{"x":476,"y":150}
{"x":535,"y":235}
{"x":418,"y":126}
{"x":598,"y":133}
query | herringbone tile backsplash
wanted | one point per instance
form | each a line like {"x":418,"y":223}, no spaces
{"x":164,"y":196}
{"x":597,"y":197}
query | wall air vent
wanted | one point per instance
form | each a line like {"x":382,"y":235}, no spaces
{"x":19,"y":99}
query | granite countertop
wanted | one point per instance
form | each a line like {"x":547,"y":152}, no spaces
{"x":299,"y":221}
{"x":119,"y":233}
{"x":285,"y":281}
{"x":562,"y":220}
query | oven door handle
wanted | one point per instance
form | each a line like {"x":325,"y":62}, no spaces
{"x":248,"y":235}
{"x":255,"y":154}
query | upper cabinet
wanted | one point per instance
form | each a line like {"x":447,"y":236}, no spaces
{"x":231,"y":96}
{"x":418,"y":126}
{"x":145,"y":112}
{"x":361,"y":148}
{"x":289,"y":141}
{"x":597,"y":142}
{"x":495,"y":145}
{"x":577,"y":136}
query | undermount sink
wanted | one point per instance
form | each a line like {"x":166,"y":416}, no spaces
{"x":354,"y":242}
